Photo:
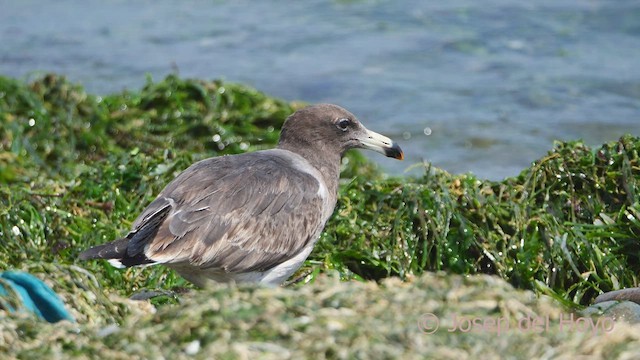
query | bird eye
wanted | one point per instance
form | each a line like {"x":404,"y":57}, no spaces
{"x":343,"y":124}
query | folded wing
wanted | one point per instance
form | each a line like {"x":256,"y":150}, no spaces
{"x":248,"y":214}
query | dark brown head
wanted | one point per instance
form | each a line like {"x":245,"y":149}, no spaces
{"x":328,"y":128}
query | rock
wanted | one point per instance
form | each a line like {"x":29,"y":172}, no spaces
{"x":630,"y":294}
{"x":627,"y":311}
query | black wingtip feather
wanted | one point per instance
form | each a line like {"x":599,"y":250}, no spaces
{"x":87,"y":254}
{"x":115,"y":250}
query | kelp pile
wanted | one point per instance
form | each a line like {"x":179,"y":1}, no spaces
{"x":76,"y":169}
{"x":329,"y":319}
{"x":569,"y":226}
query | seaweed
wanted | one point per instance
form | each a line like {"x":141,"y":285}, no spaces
{"x":76,"y":169}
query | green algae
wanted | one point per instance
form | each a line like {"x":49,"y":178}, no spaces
{"x":568,"y":226}
{"x":76,"y":169}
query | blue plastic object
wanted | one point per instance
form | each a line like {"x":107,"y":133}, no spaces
{"x":35,"y":295}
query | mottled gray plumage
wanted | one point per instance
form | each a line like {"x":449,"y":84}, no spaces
{"x":249,"y":217}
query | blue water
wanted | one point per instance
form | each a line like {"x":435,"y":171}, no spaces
{"x":493,"y":83}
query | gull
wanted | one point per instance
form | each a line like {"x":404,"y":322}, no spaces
{"x":252,"y":217}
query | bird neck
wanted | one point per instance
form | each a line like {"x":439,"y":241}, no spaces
{"x":326,"y":162}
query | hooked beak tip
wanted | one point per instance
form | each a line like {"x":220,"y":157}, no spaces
{"x":394,"y":152}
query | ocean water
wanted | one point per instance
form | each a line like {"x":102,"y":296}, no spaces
{"x":470,"y":86}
